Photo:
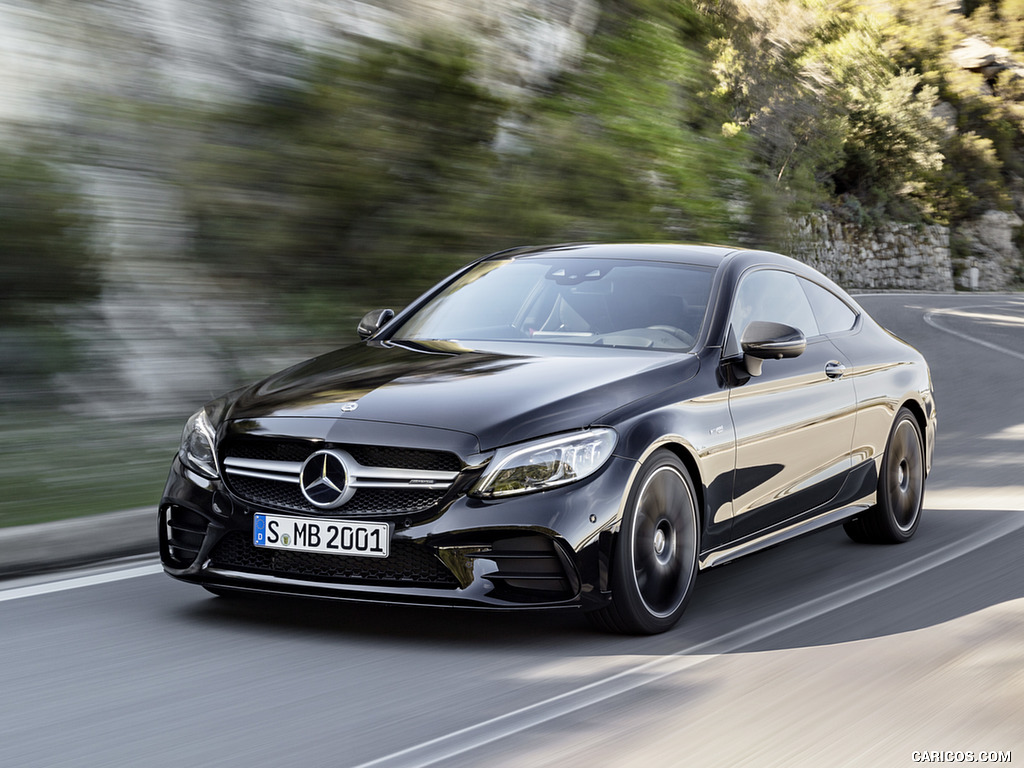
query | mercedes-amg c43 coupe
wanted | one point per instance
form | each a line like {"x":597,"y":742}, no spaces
{"x":573,"y":426}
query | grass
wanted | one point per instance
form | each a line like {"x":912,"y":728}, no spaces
{"x":55,"y":465}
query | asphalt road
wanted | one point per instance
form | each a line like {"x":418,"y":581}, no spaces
{"x":817,"y":653}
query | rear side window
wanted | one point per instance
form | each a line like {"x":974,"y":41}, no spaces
{"x":832,"y":313}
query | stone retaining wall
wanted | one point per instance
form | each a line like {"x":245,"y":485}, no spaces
{"x":987,"y":243}
{"x":901,"y":256}
{"x":909,"y":257}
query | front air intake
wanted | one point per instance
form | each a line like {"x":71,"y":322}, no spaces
{"x":183,"y":532}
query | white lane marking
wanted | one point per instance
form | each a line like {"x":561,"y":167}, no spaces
{"x":932,"y":320}
{"x":1005,"y":498}
{"x":79,"y":581}
{"x":458,"y":742}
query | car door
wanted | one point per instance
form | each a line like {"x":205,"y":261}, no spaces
{"x":794,"y":423}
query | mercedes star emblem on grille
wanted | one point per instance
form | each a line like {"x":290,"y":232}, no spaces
{"x":324,"y":480}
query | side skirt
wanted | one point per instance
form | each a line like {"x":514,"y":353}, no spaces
{"x":766,"y":540}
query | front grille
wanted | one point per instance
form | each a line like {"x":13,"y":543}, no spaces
{"x":409,"y":564}
{"x":404,"y":458}
{"x":271,"y":449}
{"x":369,"y":501}
{"x":386,"y":480}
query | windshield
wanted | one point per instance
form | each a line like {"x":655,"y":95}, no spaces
{"x":562,"y":300}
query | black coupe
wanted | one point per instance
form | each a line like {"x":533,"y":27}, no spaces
{"x":571,"y":426}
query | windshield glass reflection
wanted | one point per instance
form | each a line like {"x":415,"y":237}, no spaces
{"x":601,"y":302}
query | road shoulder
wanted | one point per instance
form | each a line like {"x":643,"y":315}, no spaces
{"x":27,"y":549}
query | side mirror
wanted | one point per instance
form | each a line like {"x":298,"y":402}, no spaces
{"x":770,"y":341}
{"x":373,"y":321}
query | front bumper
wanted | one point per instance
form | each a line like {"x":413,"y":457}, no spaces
{"x":546,"y":549}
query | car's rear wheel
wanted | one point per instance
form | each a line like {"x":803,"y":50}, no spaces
{"x":900,"y":496}
{"x":655,"y":562}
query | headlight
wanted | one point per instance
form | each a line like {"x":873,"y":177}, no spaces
{"x":196,"y":450}
{"x":547,"y":463}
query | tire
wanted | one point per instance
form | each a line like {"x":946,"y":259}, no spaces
{"x":900,"y":496}
{"x":655,"y":563}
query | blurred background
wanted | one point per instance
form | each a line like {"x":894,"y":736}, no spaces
{"x":194,"y":193}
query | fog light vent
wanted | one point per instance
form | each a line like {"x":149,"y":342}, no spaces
{"x":184,"y":532}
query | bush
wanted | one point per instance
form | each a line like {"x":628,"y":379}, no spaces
{"x":370,"y":176}
{"x":632,"y":146}
{"x":357,"y":172}
{"x":46,"y":236}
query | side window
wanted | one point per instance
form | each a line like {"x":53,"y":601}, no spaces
{"x":832,"y":313}
{"x":772,"y":296}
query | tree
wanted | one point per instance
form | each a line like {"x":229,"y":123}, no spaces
{"x":46,"y":240}
{"x":830,"y":113}
{"x":351,"y":174}
{"x":631,"y":145}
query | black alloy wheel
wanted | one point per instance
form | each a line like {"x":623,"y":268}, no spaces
{"x":897,"y":511}
{"x":656,"y":551}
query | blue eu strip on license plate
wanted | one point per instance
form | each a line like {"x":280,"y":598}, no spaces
{"x":336,"y":537}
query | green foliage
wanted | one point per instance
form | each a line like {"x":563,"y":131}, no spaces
{"x":46,"y":236}
{"x":831,"y":112}
{"x":775,"y":97}
{"x":971,"y":178}
{"x":370,"y":176}
{"x":358,"y":173}
{"x":632,"y":147}
{"x":54,"y":468}
{"x":369,"y":173}
{"x":1001,"y":21}
{"x":984,"y":148}
{"x":893,"y":143}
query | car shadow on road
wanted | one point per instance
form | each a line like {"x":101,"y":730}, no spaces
{"x":820,"y":590}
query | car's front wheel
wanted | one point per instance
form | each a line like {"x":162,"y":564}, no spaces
{"x":655,"y":562}
{"x":900,"y":496}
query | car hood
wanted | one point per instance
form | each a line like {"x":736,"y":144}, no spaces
{"x":501,"y":393}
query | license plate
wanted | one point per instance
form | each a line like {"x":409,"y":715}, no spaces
{"x":334,"y":537}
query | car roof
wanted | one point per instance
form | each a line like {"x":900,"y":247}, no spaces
{"x":713,"y":256}
{"x":681,"y":253}
{"x":704,"y":255}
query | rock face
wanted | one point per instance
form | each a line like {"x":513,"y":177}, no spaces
{"x":908,"y":257}
{"x":976,"y":54}
{"x":891,"y":256}
{"x":216,"y":49}
{"x":989,"y":242}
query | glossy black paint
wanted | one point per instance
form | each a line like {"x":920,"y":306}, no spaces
{"x":446,"y":386}
{"x":770,"y":456}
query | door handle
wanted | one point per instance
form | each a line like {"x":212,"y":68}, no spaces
{"x":835,"y":369}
